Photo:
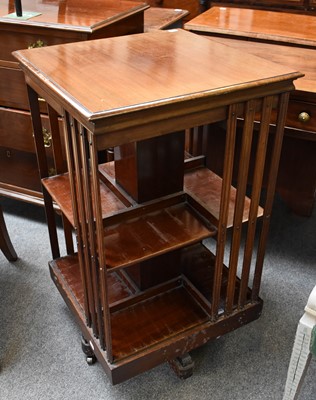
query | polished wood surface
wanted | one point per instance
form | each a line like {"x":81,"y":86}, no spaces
{"x":192,"y":6}
{"x":144,"y":83}
{"x":133,"y":91}
{"x":59,"y":22}
{"x":296,"y":187}
{"x":299,"y":58}
{"x":290,"y":6}
{"x":163,"y":18}
{"x":257,"y":24}
{"x":75,"y":15}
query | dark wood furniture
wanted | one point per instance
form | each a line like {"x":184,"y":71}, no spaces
{"x":296,"y":6}
{"x":192,"y":6}
{"x":57,"y":22}
{"x":6,"y":245}
{"x":164,"y":18}
{"x":142,"y":284}
{"x":289,"y":41}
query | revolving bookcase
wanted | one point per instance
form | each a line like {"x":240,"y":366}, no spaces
{"x":148,"y":280}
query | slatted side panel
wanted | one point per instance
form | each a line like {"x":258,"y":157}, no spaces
{"x":106,"y":332}
{"x":245,"y":257}
{"x":243,"y":168}
{"x":224,"y":206}
{"x":260,"y":158}
{"x":270,"y":190}
{"x":84,"y":268}
{"x":83,"y":173}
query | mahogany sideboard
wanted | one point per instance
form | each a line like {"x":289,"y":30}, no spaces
{"x":142,"y":283}
{"x":269,"y":35}
{"x":297,"y":6}
{"x":57,"y":22}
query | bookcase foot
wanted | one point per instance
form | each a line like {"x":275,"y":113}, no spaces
{"x":86,"y":348}
{"x":183,"y":366}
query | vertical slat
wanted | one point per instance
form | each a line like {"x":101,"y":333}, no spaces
{"x":83,"y":220}
{"x":91,"y":227}
{"x":255,"y":196}
{"x":72,"y":178}
{"x":242,"y":179}
{"x":273,"y":172}
{"x":224,"y":206}
{"x":101,"y":250}
{"x":60,"y":168}
{"x":43,"y":170}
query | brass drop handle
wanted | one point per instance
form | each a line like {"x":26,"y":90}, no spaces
{"x":47,"y":137}
{"x":304,"y":116}
{"x":38,"y":43}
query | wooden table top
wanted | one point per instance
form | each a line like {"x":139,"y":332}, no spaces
{"x":113,"y":76}
{"x":258,"y":24}
{"x":78,"y":15}
{"x":299,"y":58}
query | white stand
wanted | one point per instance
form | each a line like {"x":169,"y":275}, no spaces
{"x":302,"y":349}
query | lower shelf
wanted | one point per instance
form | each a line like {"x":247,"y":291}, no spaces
{"x":160,"y":323}
{"x":156,"y":319}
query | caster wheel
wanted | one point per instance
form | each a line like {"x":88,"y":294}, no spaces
{"x":86,"y":348}
{"x":91,"y":360}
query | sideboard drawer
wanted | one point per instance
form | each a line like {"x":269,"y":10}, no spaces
{"x":13,"y":91}
{"x":11,"y":41}
{"x":301,"y":115}
{"x":16,"y":131}
{"x":19,"y":168}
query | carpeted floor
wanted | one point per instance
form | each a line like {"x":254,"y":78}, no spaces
{"x":40,"y":351}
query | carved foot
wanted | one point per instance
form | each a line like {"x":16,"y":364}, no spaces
{"x":182,"y":366}
{"x":86,"y":348}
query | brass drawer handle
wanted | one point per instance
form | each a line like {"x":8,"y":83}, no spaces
{"x":47,"y":137}
{"x":38,"y":43}
{"x":52,"y":172}
{"x":304,"y":116}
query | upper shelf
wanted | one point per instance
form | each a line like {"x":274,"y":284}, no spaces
{"x":200,"y":183}
{"x":205,"y":185}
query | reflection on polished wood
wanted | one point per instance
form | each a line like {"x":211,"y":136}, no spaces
{"x":257,"y":24}
{"x":77,"y":15}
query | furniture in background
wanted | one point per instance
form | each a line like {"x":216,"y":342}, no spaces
{"x":142,"y":284}
{"x":57,"y":22}
{"x":297,"y":6}
{"x":193,"y":7}
{"x":164,"y":18}
{"x":303,"y":350}
{"x":269,"y":35}
{"x":5,"y":243}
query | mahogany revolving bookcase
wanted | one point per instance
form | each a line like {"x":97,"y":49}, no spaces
{"x":147,"y":281}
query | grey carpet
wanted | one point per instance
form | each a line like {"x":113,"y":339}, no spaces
{"x":40,"y":352}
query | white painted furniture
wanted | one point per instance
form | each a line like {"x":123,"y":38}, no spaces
{"x":303,"y":350}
